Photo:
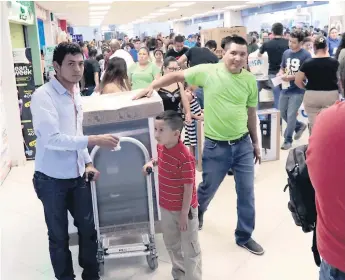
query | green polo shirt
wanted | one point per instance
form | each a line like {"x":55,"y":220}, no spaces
{"x":226,"y":99}
{"x":142,"y":77}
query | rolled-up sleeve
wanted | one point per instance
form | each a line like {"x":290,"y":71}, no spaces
{"x":87,"y":157}
{"x":46,"y":125}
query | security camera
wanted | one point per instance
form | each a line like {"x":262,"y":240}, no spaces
{"x":212,"y":7}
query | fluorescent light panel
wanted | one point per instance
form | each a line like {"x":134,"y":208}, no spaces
{"x":95,"y":2}
{"x":157,"y":14}
{"x":236,"y":7}
{"x":168,"y":10}
{"x":148,"y":17}
{"x":99,"y":8}
{"x":181,"y":4}
{"x":99,"y":13}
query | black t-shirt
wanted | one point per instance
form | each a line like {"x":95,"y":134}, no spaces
{"x":321,"y":73}
{"x":198,"y":56}
{"x":176,"y":54}
{"x":171,"y":100}
{"x":275,"y":49}
{"x":90,"y":67}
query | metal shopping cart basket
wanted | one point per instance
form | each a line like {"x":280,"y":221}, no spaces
{"x":118,"y":206}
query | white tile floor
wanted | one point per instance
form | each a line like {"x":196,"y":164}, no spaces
{"x":24,"y":244}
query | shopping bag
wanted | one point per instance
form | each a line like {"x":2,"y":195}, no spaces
{"x":258,"y":65}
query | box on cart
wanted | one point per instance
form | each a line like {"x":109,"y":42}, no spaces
{"x":121,"y":188}
{"x":270,"y":134}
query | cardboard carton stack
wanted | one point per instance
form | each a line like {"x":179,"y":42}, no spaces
{"x":218,"y":34}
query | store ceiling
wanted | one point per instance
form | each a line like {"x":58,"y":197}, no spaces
{"x":99,"y":12}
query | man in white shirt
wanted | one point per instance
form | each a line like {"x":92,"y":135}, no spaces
{"x":122,"y":53}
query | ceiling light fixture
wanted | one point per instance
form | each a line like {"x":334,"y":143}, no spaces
{"x":181,"y":4}
{"x":96,"y":18}
{"x":157,"y":14}
{"x":99,"y":8}
{"x":168,"y":10}
{"x":99,"y":13}
{"x":95,"y":2}
{"x":236,"y":7}
{"x":148,"y":17}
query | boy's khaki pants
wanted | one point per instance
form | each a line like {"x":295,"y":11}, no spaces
{"x":183,"y":247}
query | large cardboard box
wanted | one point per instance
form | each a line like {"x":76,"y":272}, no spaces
{"x":270,"y":134}
{"x":121,"y":187}
{"x":218,"y":34}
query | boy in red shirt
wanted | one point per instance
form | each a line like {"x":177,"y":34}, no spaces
{"x":177,"y":197}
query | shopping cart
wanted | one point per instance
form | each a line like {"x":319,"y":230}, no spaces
{"x":113,"y":236}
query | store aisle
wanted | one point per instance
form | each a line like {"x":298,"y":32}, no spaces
{"x":24,"y":243}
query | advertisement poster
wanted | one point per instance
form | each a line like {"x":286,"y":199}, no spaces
{"x":25,"y":86}
{"x":48,"y":61}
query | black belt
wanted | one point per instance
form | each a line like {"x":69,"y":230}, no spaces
{"x":231,"y":142}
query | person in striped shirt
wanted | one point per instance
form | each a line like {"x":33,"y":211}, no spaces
{"x":177,"y":197}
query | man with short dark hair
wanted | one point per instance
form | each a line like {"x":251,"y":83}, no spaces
{"x":196,"y":55}
{"x":179,"y":49}
{"x":231,"y":139}
{"x":291,"y":97}
{"x":275,"y":49}
{"x":92,"y":73}
{"x":63,"y":164}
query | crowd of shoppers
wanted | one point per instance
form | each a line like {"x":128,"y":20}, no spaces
{"x":223,"y":94}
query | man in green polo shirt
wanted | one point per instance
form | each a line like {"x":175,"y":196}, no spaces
{"x":231,"y":142}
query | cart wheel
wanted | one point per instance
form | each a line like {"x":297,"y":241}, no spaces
{"x":152,"y":261}
{"x":101,"y":268}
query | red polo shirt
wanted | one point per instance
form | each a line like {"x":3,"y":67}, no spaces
{"x":326,"y":166}
{"x":176,"y":167}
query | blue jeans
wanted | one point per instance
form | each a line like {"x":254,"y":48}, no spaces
{"x":218,"y":157}
{"x":328,"y":272}
{"x":289,"y":104}
{"x":199,"y":92}
{"x":276,"y":91}
{"x":59,"y":196}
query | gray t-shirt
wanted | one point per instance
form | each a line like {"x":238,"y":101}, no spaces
{"x":292,"y":62}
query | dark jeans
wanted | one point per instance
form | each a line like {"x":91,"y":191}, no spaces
{"x":218,"y":157}
{"x":289,"y":105}
{"x":327,"y":272}
{"x":199,"y":92}
{"x":59,"y":196}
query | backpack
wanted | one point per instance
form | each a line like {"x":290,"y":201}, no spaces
{"x":302,"y":195}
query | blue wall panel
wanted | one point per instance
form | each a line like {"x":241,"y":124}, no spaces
{"x":40,"y":26}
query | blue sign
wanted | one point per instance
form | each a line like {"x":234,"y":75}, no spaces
{"x":77,"y":38}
